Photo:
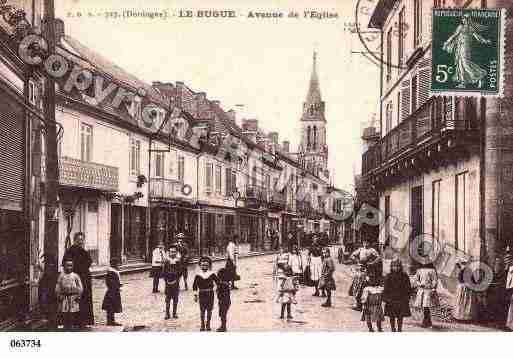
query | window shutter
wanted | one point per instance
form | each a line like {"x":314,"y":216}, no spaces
{"x":405,"y":100}
{"x":424,"y":81}
{"x":12,"y":150}
{"x":234,"y":181}
{"x":228,"y":181}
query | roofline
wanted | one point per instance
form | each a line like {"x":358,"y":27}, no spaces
{"x":101,"y":114}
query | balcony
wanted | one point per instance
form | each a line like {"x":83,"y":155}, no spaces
{"x":256,"y":196}
{"x":427,"y":136}
{"x":163,"y":188}
{"x":304,"y":208}
{"x":82,"y":174}
{"x":277,"y":201}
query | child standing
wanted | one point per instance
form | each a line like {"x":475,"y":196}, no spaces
{"x":371,"y":301}
{"x":69,"y":290}
{"x":171,"y":276}
{"x":203,"y":287}
{"x":112,"y":300}
{"x":287,"y":291}
{"x":223,"y":296}
{"x":426,"y":281}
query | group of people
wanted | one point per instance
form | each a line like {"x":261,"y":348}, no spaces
{"x":370,"y":290}
{"x":290,"y":271}
{"x":67,"y":298}
{"x":171,"y":265}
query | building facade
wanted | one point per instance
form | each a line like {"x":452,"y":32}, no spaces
{"x":434,"y":166}
{"x":21,"y":123}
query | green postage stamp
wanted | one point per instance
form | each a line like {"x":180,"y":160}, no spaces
{"x":468,"y":52}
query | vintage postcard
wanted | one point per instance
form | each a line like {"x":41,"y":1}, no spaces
{"x":255,"y":166}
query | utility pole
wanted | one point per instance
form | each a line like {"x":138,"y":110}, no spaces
{"x":51,"y":243}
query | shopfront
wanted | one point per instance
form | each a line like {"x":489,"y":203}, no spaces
{"x":252,"y":230}
{"x":218,"y":225}
{"x":172,"y":218}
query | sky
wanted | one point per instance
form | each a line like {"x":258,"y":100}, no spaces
{"x":263,"y":64}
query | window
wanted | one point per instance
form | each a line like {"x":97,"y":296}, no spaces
{"x":86,"y":142}
{"x":234,"y":181}
{"x":228,"y":182}
{"x":159,"y":164}
{"x":398,"y":107}
{"x":218,"y":179}
{"x":388,"y":117}
{"x":315,"y":137}
{"x":400,"y":39}
{"x":414,"y":101}
{"x":417,"y":23}
{"x":135,"y":157}
{"x":209,"y":169}
{"x":462,"y":212}
{"x":436,"y":210}
{"x":181,"y":168}
{"x":389,"y":54}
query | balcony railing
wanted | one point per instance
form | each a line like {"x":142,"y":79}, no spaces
{"x":434,"y":117}
{"x":83,"y":174}
{"x":304,"y":208}
{"x":278,"y":200}
{"x":163,"y":188}
{"x":257,"y":192}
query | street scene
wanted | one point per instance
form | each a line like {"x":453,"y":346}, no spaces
{"x":343,"y":168}
{"x":256,"y":298}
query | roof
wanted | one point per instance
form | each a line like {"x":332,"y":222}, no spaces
{"x":74,"y":50}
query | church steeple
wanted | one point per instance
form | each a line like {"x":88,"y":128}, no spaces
{"x":313,"y":148}
{"x":314,"y":91}
{"x":313,"y":107}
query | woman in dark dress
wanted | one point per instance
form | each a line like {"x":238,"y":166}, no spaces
{"x":81,"y":263}
{"x":396,"y":295}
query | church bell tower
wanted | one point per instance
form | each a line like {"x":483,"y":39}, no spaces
{"x":313,"y":150}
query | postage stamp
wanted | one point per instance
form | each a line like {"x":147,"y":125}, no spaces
{"x":468,"y":52}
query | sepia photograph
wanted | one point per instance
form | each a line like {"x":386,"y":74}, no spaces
{"x":290,"y":166}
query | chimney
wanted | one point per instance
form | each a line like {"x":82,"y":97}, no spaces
{"x":286,"y":146}
{"x":273,"y":137}
{"x":59,"y":29}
